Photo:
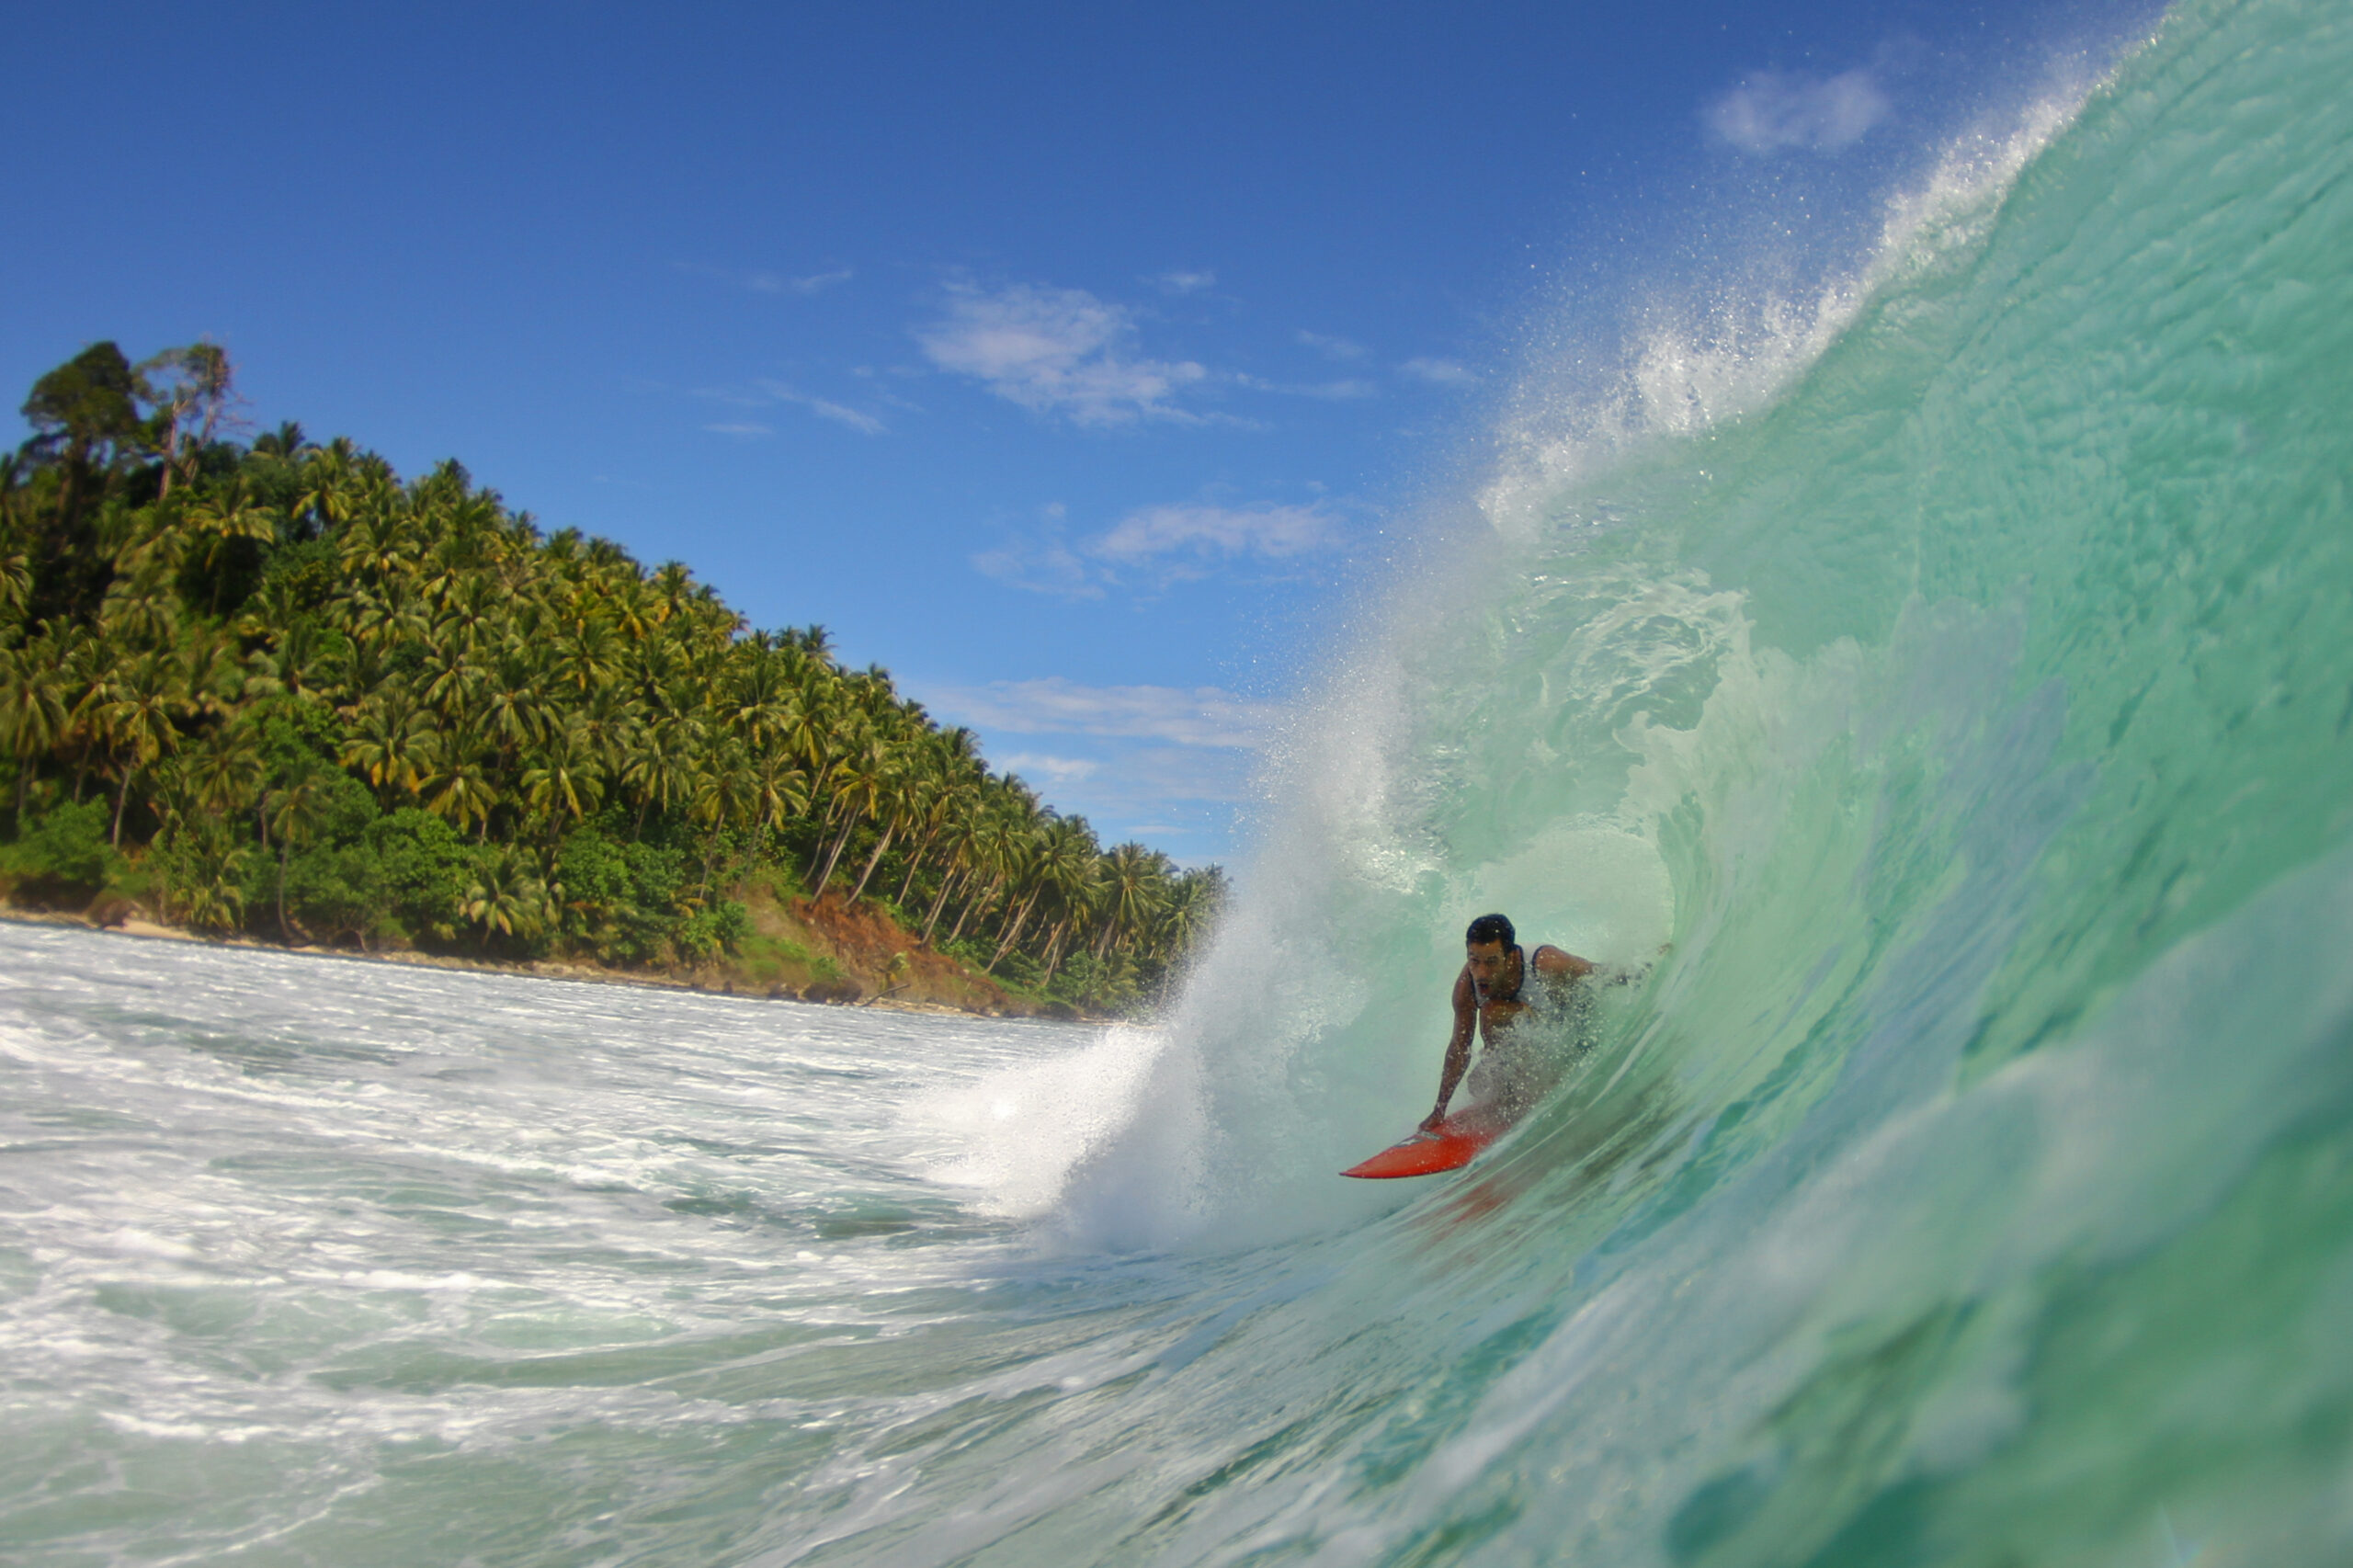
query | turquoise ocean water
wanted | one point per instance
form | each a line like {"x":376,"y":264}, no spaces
{"x":1935,"y":692}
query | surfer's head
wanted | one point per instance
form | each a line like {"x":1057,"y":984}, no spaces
{"x":1496,"y":928}
{"x":1487,"y":945}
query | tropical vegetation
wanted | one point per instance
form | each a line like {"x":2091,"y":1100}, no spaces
{"x":268,"y":687}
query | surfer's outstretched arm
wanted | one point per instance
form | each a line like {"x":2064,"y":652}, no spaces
{"x":1558,"y":967}
{"x":1458,"y":1045}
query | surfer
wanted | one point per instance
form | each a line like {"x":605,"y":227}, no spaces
{"x":1511,"y":999}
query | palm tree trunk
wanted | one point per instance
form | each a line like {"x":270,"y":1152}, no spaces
{"x":1012,"y":932}
{"x":931,"y":921}
{"x":915,"y":862}
{"x":839,"y":845}
{"x":971,"y":906}
{"x":871,"y":862}
{"x":122,"y":800}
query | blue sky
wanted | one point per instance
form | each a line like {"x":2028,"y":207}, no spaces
{"x":1071,"y":361}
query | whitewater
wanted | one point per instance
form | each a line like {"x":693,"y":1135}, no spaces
{"x":1930,"y":692}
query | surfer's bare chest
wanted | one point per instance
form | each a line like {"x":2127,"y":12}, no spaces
{"x":1498,"y":1018}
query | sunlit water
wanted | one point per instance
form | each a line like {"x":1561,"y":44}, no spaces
{"x":1936,"y":693}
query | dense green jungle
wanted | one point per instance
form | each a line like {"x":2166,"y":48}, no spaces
{"x":268,"y":687}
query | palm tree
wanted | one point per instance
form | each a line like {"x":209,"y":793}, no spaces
{"x":16,"y":575}
{"x":392,"y":741}
{"x":949,"y":770}
{"x":661,"y":766}
{"x":1193,"y":903}
{"x":506,"y":896}
{"x":224,"y":772}
{"x":459,"y":791}
{"x":1068,"y":867}
{"x":216,"y":523}
{"x":214,"y":678}
{"x":330,"y":483}
{"x":563,"y":779}
{"x":209,"y":891}
{"x":895,"y":801}
{"x":859,"y":776}
{"x":298,"y":648}
{"x":511,"y":705}
{"x":138,"y":710}
{"x":777,"y":792}
{"x":1135,"y":889}
{"x":587,"y":651}
{"x":34,"y":712}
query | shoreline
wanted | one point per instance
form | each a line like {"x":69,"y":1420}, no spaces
{"x":142,"y":929}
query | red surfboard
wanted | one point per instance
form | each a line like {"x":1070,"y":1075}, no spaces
{"x":1452,"y":1144}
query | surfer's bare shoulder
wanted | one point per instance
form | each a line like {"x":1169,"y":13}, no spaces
{"x":1557,"y":964}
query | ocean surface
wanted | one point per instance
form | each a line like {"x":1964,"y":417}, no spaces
{"x":1930,"y":693}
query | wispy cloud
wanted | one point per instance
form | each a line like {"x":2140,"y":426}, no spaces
{"x":1346,"y":390}
{"x":810,"y":283}
{"x":1194,"y":716}
{"x":1774,"y":110}
{"x":1440,"y":373}
{"x":765,"y":282}
{"x":1329,"y":346}
{"x":1056,"y":351}
{"x":1183,"y":282}
{"x":1158,"y":545}
{"x":767,"y":394}
{"x":1047,"y":566}
{"x":826,"y":408}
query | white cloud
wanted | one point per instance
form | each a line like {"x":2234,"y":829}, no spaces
{"x":1275,"y":532}
{"x":1053,"y":769}
{"x":1331,"y":347}
{"x":826,"y":408}
{"x":1181,"y":282}
{"x":739,"y":428}
{"x":1055,"y":351}
{"x":1197,"y":716}
{"x":1776,"y":109}
{"x":1442,"y":372}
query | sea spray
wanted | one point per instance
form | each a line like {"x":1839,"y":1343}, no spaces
{"x":1944,"y":710}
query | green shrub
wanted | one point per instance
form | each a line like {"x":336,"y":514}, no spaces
{"x":711,"y":931}
{"x":63,"y":854}
{"x":334,"y":891}
{"x":619,"y":900}
{"x":423,"y":870}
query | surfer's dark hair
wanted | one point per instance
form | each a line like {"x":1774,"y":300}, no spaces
{"x":1489,"y":928}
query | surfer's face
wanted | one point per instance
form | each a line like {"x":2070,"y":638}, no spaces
{"x":1489,"y":961}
